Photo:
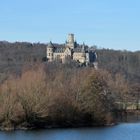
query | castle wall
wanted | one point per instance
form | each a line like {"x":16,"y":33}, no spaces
{"x":79,"y":57}
{"x":59,"y":55}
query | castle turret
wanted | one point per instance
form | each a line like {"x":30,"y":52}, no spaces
{"x":50,"y":49}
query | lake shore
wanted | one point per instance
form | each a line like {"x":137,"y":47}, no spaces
{"x":22,"y":127}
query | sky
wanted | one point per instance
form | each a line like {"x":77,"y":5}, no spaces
{"x":113,"y":24}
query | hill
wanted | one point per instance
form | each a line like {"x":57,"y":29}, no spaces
{"x":13,"y":56}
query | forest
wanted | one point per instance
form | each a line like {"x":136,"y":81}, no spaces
{"x":37,"y":94}
{"x":15,"y":55}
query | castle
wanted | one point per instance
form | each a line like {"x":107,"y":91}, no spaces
{"x":71,"y":51}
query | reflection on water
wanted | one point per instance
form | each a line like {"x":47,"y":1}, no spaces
{"x":130,"y":131}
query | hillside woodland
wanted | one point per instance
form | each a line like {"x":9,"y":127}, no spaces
{"x":15,"y":55}
{"x":35,"y":93}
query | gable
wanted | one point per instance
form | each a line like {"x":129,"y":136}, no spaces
{"x":67,"y":51}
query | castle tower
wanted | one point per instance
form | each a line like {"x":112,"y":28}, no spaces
{"x":70,"y":41}
{"x":71,"y":38}
{"x":50,"y":49}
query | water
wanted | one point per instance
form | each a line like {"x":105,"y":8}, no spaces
{"x":130,"y":131}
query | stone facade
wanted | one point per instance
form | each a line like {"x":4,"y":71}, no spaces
{"x":71,"y":50}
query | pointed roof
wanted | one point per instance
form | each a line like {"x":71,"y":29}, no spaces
{"x":50,"y":45}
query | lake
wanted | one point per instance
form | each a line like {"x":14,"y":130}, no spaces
{"x":124,"y":131}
